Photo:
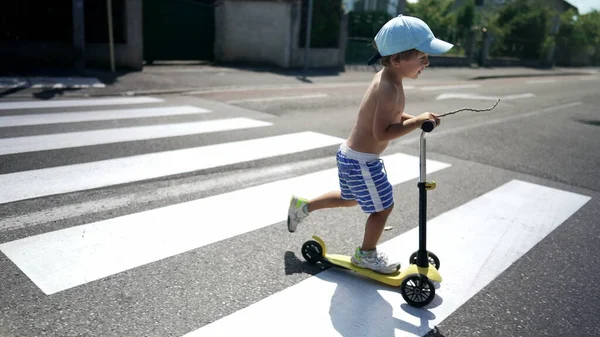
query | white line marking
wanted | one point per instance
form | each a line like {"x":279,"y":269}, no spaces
{"x":76,"y":102}
{"x":589,"y":78}
{"x":65,"y":82}
{"x":279,"y":87}
{"x":446,"y":87}
{"x":277,"y":98}
{"x":541,"y":81}
{"x":64,"y":179}
{"x":98,"y":115}
{"x":13,"y":82}
{"x":480,"y":97}
{"x":70,"y":257}
{"x":50,"y":82}
{"x":97,"y":137}
{"x":475,"y":243}
{"x":460,"y":129}
{"x":232,"y":180}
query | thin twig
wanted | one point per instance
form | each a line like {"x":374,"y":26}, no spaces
{"x":463,"y":109}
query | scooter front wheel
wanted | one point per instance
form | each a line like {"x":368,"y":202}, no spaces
{"x":312,"y":251}
{"x":417,"y":290}
{"x":431,"y":257}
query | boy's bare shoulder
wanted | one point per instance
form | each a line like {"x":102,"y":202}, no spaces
{"x":386,"y":91}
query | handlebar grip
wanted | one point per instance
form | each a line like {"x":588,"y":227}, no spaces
{"x":428,"y":126}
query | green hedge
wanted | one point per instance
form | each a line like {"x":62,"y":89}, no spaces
{"x":325,"y":29}
{"x":366,"y":24}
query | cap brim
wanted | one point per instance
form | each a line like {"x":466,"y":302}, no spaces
{"x":374,"y":58}
{"x":435,"y":46}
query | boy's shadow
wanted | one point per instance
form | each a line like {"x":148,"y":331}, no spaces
{"x":359,"y":309}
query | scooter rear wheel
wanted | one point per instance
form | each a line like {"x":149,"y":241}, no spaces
{"x":417,"y":290}
{"x":312,"y":251}
{"x":433,"y":259}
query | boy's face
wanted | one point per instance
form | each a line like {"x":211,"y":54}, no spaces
{"x":413,"y":67}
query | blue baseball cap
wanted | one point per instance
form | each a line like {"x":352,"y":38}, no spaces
{"x":404,"y":33}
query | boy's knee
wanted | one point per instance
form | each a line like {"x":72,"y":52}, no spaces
{"x":386,"y":211}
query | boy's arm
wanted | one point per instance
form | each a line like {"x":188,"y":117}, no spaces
{"x":384,"y":128}
{"x":405,"y":116}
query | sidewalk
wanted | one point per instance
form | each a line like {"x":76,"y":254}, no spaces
{"x":184,"y":77}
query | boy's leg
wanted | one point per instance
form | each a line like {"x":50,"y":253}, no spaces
{"x":367,"y":256}
{"x":378,"y":202}
{"x":300,"y":208}
{"x":374,"y":228}
{"x":330,"y":200}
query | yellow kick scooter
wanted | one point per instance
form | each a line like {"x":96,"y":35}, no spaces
{"x":415,"y":282}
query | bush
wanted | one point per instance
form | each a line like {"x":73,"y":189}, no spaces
{"x":366,"y":24}
{"x":524,"y":27}
{"x":326,"y":19}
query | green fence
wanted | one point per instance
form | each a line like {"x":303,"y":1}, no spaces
{"x":362,"y":28}
{"x":179,"y":29}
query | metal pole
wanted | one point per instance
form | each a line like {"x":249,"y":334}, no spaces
{"x":79,"y":34}
{"x":307,"y":39}
{"x":110,"y":35}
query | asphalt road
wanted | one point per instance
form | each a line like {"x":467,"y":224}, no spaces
{"x":544,"y":131}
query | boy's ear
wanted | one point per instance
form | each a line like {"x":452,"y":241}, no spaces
{"x":395,"y":60}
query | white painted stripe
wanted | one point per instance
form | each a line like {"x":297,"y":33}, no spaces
{"x":70,"y":257}
{"x":76,"y":102}
{"x":589,"y":78}
{"x":271,"y":87}
{"x":98,"y":115}
{"x":231,"y":180}
{"x":475,"y":242}
{"x":491,"y":121}
{"x":64,"y":179}
{"x":13,"y":82}
{"x":481,"y":97}
{"x":97,"y":137}
{"x":541,"y":81}
{"x":65,"y":82}
{"x":277,"y":98}
{"x":50,"y":82}
{"x":446,"y":87}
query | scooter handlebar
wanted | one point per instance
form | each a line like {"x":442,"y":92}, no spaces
{"x":428,"y":126}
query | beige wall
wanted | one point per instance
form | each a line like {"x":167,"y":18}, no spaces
{"x":266,"y":33}
{"x":254,"y":32}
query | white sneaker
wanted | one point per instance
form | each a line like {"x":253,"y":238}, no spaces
{"x":296,"y":213}
{"x":374,"y":260}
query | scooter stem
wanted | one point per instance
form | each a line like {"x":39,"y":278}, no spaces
{"x":422,"y":258}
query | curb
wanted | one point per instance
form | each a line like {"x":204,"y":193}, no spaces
{"x":105,"y":92}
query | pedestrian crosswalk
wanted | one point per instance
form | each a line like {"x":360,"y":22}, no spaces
{"x":500,"y":226}
{"x":98,"y":115}
{"x":478,"y":240}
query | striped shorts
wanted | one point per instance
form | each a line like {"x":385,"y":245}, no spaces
{"x":363,"y":178}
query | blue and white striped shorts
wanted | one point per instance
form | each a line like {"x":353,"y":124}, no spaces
{"x":363,"y":178}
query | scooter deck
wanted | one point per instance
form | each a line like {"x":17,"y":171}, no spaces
{"x":394,"y":279}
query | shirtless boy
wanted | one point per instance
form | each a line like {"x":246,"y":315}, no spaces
{"x":403,"y":45}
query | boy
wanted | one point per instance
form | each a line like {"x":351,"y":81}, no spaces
{"x":403,"y":44}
